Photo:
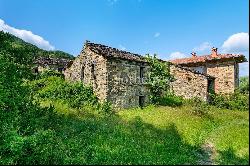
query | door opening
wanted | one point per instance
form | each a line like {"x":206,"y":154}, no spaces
{"x":210,"y":87}
{"x":141,"y":101}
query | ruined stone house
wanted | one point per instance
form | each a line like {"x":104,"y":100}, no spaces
{"x":117,"y":76}
{"x":45,"y":63}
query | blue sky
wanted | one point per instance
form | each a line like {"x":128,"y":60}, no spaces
{"x":170,"y":28}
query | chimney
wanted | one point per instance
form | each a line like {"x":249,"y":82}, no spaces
{"x":85,"y":44}
{"x":194,"y":54}
{"x":214,"y":52}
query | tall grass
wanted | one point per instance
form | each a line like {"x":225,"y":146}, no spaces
{"x":59,"y":132}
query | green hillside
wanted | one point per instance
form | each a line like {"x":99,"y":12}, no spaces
{"x":13,"y":45}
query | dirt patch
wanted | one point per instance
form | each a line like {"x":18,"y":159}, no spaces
{"x":207,"y":157}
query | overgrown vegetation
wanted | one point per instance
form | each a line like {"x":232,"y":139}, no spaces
{"x":76,"y":94}
{"x":171,"y":99}
{"x":244,"y":84}
{"x":236,"y":101}
{"x":21,"y":50}
{"x":159,"y":78}
{"x":47,"y":120}
{"x":24,"y":124}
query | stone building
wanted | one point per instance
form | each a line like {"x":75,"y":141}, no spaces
{"x":189,"y":83}
{"x":223,"y":67}
{"x":44,"y":63}
{"x":117,"y":76}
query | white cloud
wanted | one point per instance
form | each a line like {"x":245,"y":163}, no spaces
{"x":177,"y":55}
{"x":121,"y":47}
{"x":203,"y":47}
{"x":157,"y":34}
{"x":238,"y":42}
{"x":27,"y":36}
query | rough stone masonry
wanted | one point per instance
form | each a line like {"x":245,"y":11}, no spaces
{"x":117,"y":76}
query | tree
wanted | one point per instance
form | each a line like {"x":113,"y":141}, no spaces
{"x":159,"y":78}
{"x":244,"y":84}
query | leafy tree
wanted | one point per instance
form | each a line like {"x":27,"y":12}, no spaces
{"x":159,"y":78}
{"x":244,"y":84}
{"x":23,"y":123}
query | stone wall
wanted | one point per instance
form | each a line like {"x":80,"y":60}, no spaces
{"x":124,"y":84}
{"x":90,"y":68}
{"x":201,"y":69}
{"x":189,"y":84}
{"x":226,"y":76}
{"x":113,"y":79}
{"x":117,"y":78}
{"x":45,"y":63}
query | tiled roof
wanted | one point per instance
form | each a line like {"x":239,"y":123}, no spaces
{"x":107,"y":51}
{"x":208,"y":58}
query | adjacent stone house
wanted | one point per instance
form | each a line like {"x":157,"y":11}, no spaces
{"x":224,"y":68}
{"x":44,"y":63}
{"x":190,"y":83}
{"x":117,"y":76}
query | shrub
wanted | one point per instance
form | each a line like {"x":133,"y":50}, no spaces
{"x":26,"y":129}
{"x":48,"y":73}
{"x":244,"y":84}
{"x":76,"y":94}
{"x":159,"y":78}
{"x":171,"y":100}
{"x":105,"y":108}
{"x":200,"y":107}
{"x":235,"y":101}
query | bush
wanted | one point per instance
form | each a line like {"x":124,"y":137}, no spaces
{"x":48,"y":73}
{"x":199,"y":107}
{"x":244,"y":84}
{"x":76,"y":94}
{"x":159,"y":78}
{"x":171,"y":100}
{"x":235,"y":101}
{"x":27,"y":130}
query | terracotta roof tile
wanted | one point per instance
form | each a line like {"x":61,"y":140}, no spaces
{"x":208,"y":58}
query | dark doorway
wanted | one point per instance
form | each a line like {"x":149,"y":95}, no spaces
{"x":210,"y":89}
{"x":36,"y":70}
{"x":93,"y":71}
{"x":82,"y":73}
{"x":210,"y":86}
{"x":141,"y":74}
{"x":141,"y":101}
{"x":60,"y":69}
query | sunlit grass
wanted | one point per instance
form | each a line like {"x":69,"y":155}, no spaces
{"x":157,"y":134}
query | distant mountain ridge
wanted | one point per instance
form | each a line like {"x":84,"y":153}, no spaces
{"x":14,"y":45}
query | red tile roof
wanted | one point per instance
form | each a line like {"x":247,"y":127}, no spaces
{"x":208,"y":58}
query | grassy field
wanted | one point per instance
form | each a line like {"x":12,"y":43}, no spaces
{"x":153,"y":135}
